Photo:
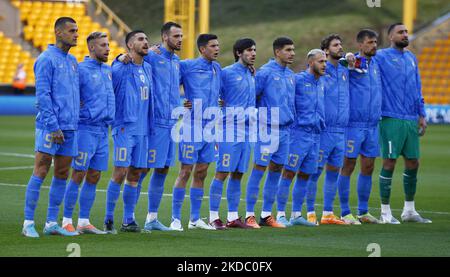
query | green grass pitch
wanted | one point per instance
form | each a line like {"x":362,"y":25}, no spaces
{"x":432,"y":200}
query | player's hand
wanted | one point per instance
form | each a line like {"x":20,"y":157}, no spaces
{"x":125,"y":58}
{"x":351,"y":59}
{"x":422,"y":126}
{"x":187,"y":104}
{"x":221,"y":103}
{"x":58,"y":137}
{"x":155,"y":48}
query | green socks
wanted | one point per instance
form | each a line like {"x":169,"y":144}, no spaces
{"x":385,"y":185}
{"x":410,"y":183}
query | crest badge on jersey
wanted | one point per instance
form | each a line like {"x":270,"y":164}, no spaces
{"x":142,"y":77}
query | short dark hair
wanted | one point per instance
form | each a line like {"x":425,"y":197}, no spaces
{"x":60,"y":22}
{"x":131,"y":34}
{"x":365,"y":33}
{"x":280,"y":42}
{"x":166,"y":27}
{"x":240,"y":45}
{"x":203,"y":39}
{"x":96,"y":35}
{"x":325,"y":43}
{"x":392,"y":26}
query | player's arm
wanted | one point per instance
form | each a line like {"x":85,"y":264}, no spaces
{"x":260,"y":83}
{"x":44,"y":78}
{"x":422,"y":114}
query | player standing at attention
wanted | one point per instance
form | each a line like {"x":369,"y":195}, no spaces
{"x":58,"y":104}
{"x":304,"y":138}
{"x":201,"y":79}
{"x":161,"y":150}
{"x":332,"y":138}
{"x":133,"y":88}
{"x":275,"y":90}
{"x":361,"y":135}
{"x":96,"y":115}
{"x":238,"y":92}
{"x":403,"y":121}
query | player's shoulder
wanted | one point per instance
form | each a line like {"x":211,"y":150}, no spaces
{"x":300,"y":76}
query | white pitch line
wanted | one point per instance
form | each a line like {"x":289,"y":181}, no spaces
{"x":242,"y":200}
{"x":16,"y":155}
{"x":16,"y":167}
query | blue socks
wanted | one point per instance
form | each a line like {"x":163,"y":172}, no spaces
{"x":112,"y":194}
{"x":87,"y":197}
{"x":129,"y":202}
{"x":32,"y":196}
{"x":298,"y":194}
{"x":155,"y":191}
{"x":270,"y":190}
{"x":196,"y":195}
{"x":344,"y":192}
{"x":329,"y":190}
{"x":364,"y":188}
{"x":177,"y":202}
{"x":253,"y":189}
{"x":215,"y":195}
{"x":311,"y":191}
{"x":56,"y":195}
{"x":283,"y":194}
{"x":70,"y":198}
{"x":233,"y":194}
{"x":139,"y":186}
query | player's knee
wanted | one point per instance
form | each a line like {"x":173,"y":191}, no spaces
{"x":302,"y":175}
{"x":367,"y":169}
{"x":287,"y":174}
{"x":237,"y":175}
{"x":62,"y":173}
{"x":164,"y":170}
{"x":389,"y":164}
{"x":275,"y":167}
{"x":78,"y":176}
{"x":42,"y":166}
{"x":221,"y":176}
{"x":185,"y":173}
{"x":349,"y":167}
{"x":133,"y":175}
{"x":201,"y":173}
{"x":93,"y":176}
{"x":119,"y":174}
{"x":412,"y":164}
{"x":260,"y":167}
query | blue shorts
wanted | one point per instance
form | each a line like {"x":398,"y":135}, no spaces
{"x":364,"y":141}
{"x":93,"y":151}
{"x":129,"y":150}
{"x":278,"y":155}
{"x":233,"y":157}
{"x":43,"y":143}
{"x":331,"y":149}
{"x":303,"y":152}
{"x":161,"y":148}
{"x":197,"y":152}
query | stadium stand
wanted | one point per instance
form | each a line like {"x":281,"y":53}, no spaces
{"x":38,"y":18}
{"x":434,"y":64}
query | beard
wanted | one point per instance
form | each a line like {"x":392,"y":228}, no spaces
{"x":337,"y":55}
{"x":402,"y":43}
{"x":370,"y":53}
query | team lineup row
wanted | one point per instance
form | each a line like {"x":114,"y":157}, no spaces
{"x":341,"y":107}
